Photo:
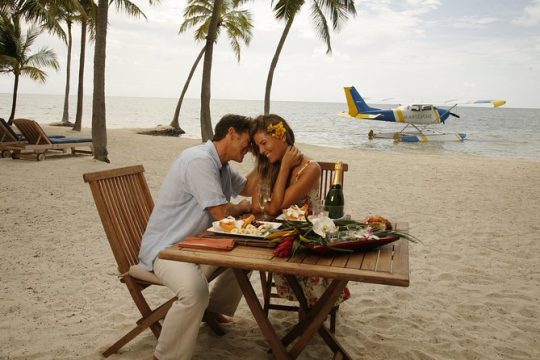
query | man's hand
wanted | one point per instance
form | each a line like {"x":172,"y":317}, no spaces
{"x":243,"y":207}
{"x":222,"y":211}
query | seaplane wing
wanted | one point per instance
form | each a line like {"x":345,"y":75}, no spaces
{"x":494,"y":103}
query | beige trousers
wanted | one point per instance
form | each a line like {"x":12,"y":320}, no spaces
{"x":188,"y":282}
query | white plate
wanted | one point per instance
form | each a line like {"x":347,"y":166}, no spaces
{"x":218,"y":230}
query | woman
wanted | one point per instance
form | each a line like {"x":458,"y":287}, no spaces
{"x":293,"y":179}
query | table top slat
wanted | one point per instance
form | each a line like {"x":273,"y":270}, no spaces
{"x":371,"y":259}
{"x":298,"y":257}
{"x":311,"y":258}
{"x":401,"y":261}
{"x":385,"y":260}
{"x":340,"y":260}
{"x":355,"y":260}
{"x":325,"y":260}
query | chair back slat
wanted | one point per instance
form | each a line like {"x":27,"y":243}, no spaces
{"x":32,"y":131}
{"x":124,"y":204}
{"x":6,"y":132}
{"x":327,"y":175}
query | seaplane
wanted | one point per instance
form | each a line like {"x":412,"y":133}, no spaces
{"x":419,"y":117}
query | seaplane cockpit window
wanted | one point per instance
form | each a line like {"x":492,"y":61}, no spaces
{"x":416,"y":107}
{"x":427,"y":107}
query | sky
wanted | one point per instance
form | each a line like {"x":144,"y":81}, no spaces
{"x":408,"y":50}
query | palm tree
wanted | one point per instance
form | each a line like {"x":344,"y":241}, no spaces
{"x":15,"y":57}
{"x":88,"y":24}
{"x":68,"y":14}
{"x":99,"y":127}
{"x":206,"y":122}
{"x":337,"y":10}
{"x":237,"y":24}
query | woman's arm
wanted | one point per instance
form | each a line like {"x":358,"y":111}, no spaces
{"x":292,"y":158}
{"x":284,"y":196}
{"x":251,"y":183}
{"x":299,"y":189}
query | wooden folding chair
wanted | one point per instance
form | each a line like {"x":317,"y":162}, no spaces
{"x":327,"y":174}
{"x":124,"y":204}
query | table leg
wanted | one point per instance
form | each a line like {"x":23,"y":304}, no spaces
{"x":314,"y":318}
{"x":327,"y":336}
{"x":278,"y":349}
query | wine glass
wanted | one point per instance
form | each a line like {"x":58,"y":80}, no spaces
{"x":264,"y":196}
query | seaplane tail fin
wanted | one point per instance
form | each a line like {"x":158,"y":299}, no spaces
{"x":356,"y":102}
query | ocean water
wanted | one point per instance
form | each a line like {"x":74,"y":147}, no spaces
{"x":496,"y":133}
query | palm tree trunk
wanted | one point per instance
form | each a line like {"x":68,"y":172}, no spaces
{"x":206,"y":122}
{"x":80,"y":87}
{"x":174,"y":122}
{"x":99,"y":127}
{"x":14,"y":103}
{"x":65,"y":115}
{"x":274,"y":64}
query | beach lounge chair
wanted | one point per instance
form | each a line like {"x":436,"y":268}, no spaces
{"x":124,"y":204}
{"x":9,"y":137}
{"x":327,"y":174}
{"x":38,"y":143}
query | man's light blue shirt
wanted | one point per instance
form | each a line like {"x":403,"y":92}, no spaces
{"x":196,"y":180}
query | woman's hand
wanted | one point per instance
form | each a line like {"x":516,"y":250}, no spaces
{"x":292,"y":158}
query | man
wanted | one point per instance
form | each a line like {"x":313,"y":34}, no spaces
{"x":196,"y":191}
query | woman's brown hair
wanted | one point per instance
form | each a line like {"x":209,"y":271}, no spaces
{"x":265,"y":169}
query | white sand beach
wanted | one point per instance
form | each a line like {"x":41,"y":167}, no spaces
{"x":475,"y":282}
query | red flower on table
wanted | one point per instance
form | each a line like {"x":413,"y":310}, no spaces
{"x":285,"y":248}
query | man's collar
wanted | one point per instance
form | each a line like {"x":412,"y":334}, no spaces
{"x":215,"y":154}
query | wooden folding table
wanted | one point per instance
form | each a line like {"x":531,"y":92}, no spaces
{"x":388,"y":265}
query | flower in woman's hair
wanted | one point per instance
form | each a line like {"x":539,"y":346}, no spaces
{"x":323,"y":225}
{"x":277,"y":130}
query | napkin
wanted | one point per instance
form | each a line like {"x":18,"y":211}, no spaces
{"x":193,"y":242}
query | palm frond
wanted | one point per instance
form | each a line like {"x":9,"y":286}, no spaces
{"x":321,"y":25}
{"x":337,"y":10}
{"x":235,"y":45}
{"x":130,"y":8}
{"x":287,"y":9}
{"x":34,"y":73}
{"x":43,"y":58}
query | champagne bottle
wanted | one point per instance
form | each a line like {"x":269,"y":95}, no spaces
{"x":334,"y":202}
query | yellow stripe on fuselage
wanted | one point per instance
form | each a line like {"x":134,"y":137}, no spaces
{"x":437,"y":115}
{"x":400,"y":116}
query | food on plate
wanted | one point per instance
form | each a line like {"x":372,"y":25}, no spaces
{"x":248,"y":220}
{"x":228,"y":224}
{"x":378,"y":222}
{"x":247,"y":226}
{"x":295,"y":213}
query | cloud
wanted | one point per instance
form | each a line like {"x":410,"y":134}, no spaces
{"x":474,"y":22}
{"x":530,"y":16}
